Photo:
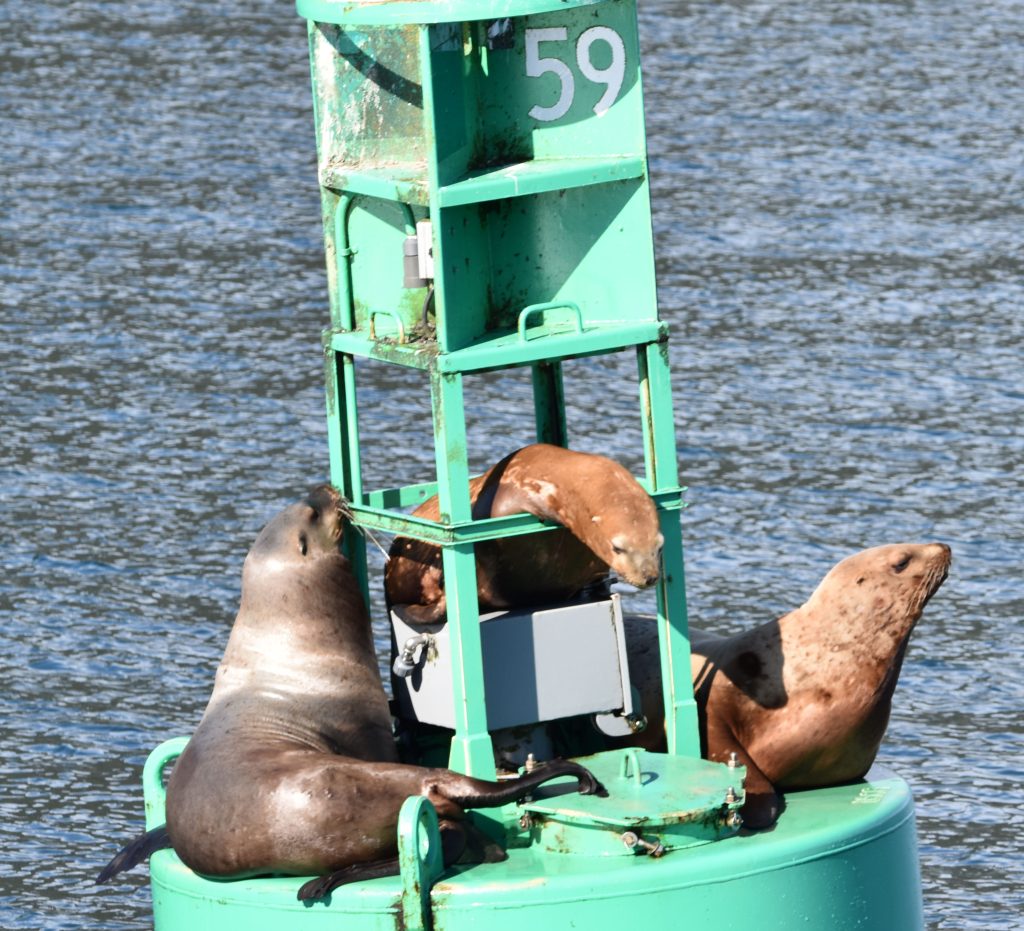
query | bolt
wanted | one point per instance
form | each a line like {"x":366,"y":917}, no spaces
{"x":733,"y":760}
{"x":526,"y":821}
{"x":731,"y":796}
{"x":531,"y":763}
{"x":637,"y":723}
{"x":633,"y":840}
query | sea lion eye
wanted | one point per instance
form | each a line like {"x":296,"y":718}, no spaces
{"x":901,"y":565}
{"x":618,"y":550}
{"x":303,"y":544}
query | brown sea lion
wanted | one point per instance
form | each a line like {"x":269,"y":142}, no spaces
{"x":610,"y":521}
{"x":293,"y":768}
{"x":803,"y":701}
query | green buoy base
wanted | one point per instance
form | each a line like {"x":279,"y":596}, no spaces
{"x":839,"y":858}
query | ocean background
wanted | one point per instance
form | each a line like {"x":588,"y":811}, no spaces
{"x":838,"y":195}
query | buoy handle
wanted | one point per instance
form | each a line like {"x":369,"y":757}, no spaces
{"x":153,"y":790}
{"x":528,"y":312}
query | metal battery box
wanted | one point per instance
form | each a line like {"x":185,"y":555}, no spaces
{"x":539,"y":665}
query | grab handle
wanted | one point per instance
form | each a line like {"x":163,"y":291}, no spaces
{"x":393,"y":316}
{"x":153,"y":791}
{"x":528,"y":312}
{"x":420,"y":858}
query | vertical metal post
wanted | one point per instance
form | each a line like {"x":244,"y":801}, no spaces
{"x":343,"y":253}
{"x":549,"y":403}
{"x":656,"y":410}
{"x":471,"y":751}
{"x":673,"y":629}
{"x":343,"y":450}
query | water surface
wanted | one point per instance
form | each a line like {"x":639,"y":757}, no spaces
{"x":839,"y":206}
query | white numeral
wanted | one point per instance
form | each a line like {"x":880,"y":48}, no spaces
{"x":613,"y":75}
{"x":536,"y":66}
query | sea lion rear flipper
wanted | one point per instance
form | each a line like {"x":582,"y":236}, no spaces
{"x":135,"y":852}
{"x":322,"y":885}
{"x":460,"y":843}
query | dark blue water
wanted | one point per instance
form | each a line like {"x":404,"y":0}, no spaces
{"x":839,"y":212}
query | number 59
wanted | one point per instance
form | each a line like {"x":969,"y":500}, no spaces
{"x":612,"y":76}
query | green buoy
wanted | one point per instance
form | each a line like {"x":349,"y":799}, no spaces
{"x":486,"y":206}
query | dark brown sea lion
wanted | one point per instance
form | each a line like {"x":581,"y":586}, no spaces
{"x":293,"y":769}
{"x":610,"y":521}
{"x":803,"y":701}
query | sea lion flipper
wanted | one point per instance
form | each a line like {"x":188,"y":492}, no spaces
{"x":135,"y":852}
{"x":322,"y":885}
{"x":461,"y":842}
{"x":425,"y":613}
{"x":763,"y":804}
{"x":446,"y":788}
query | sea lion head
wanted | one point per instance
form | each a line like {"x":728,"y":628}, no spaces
{"x":302,"y":542}
{"x":883,"y":590}
{"x":629,"y":538}
{"x":636,"y":559}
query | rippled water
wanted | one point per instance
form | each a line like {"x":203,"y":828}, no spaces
{"x":839,"y":207}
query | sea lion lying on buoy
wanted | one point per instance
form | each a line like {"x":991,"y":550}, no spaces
{"x":803,"y":701}
{"x":293,"y":769}
{"x":609,"y":520}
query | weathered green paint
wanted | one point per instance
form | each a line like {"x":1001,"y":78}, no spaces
{"x":677,"y":801}
{"x":549,"y":403}
{"x":843,"y":858}
{"x":539,"y":176}
{"x":559,"y":342}
{"x":421,"y":860}
{"x":154,"y":793}
{"x":542,"y":248}
{"x":371,"y":12}
{"x":471,"y":749}
{"x":419,"y":114}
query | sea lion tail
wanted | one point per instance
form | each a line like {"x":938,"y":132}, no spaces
{"x":134,"y":853}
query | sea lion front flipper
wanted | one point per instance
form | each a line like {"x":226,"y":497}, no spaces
{"x":763,"y":804}
{"x":762,"y":809}
{"x":135,"y":852}
{"x":425,"y":614}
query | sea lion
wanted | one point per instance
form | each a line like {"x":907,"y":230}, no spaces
{"x":609,"y":520}
{"x":293,"y":768}
{"x":803,"y":701}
